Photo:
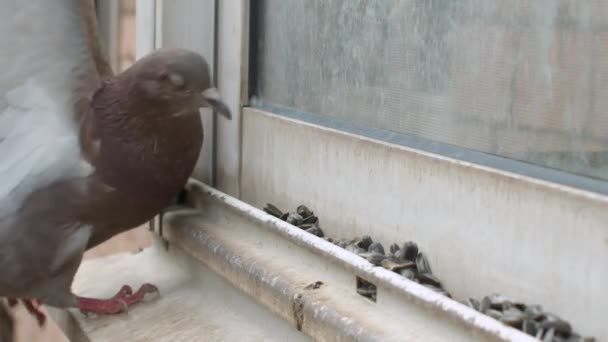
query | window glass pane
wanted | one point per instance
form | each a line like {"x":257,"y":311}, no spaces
{"x":524,"y":79}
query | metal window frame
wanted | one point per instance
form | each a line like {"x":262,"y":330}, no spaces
{"x":234,"y":71}
{"x":491,"y":192}
{"x":232,"y":81}
{"x":108,"y":13}
{"x":497,"y":162}
{"x":569,"y":207}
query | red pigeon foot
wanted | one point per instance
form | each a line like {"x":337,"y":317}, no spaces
{"x":118,"y":303}
{"x":33,"y":307}
{"x":12,"y":302}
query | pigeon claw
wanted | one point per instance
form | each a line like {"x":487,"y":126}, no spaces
{"x":145,"y":292}
{"x":124,"y":291}
{"x":12,"y":302}
{"x":119,"y":303}
{"x":33,"y":307}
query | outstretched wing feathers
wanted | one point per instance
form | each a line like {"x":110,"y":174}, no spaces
{"x":50,"y":58}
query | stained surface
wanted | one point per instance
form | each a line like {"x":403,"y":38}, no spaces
{"x":523,"y":79}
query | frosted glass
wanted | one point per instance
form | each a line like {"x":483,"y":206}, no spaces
{"x":523,"y":79}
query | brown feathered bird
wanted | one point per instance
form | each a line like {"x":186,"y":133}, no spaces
{"x":85,"y":154}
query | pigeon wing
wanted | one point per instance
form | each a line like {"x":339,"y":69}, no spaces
{"x":50,"y":64}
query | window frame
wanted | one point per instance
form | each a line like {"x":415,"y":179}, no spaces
{"x":234,"y":69}
{"x":497,"y":162}
{"x":425,"y":196}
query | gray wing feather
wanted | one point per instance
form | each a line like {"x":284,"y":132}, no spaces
{"x":49,"y":60}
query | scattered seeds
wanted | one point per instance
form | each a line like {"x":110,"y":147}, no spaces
{"x":408,"y":273}
{"x":303,"y":211}
{"x":310,"y":219}
{"x":272,"y":210}
{"x":412,"y":264}
{"x":364,"y":242}
{"x":376,"y":247}
{"x":513,"y":317}
{"x":427,"y":278}
{"x":295,"y":219}
{"x":409,"y":251}
{"x":397,"y":265}
{"x":423,"y":264}
{"x":314,"y":230}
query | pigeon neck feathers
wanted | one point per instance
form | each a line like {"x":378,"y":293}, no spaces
{"x":141,"y":147}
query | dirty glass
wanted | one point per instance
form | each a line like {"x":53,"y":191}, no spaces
{"x":523,"y":79}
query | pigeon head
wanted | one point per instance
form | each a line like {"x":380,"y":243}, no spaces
{"x":178,"y":78}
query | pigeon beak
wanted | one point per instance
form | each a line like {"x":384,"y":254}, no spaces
{"x":212,"y":97}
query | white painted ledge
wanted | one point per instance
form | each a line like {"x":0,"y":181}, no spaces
{"x":195,"y":303}
{"x":232,"y":271}
{"x":483,"y":230}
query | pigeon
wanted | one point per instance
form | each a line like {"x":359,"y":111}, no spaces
{"x":6,"y":325}
{"x":85,"y":153}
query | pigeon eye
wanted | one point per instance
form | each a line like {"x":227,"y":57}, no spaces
{"x":177,"y":80}
{"x":163,"y":77}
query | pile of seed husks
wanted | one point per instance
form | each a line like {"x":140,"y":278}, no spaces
{"x":302,"y":218}
{"x":405,"y":260}
{"x":411,"y":263}
{"x":531,"y":319}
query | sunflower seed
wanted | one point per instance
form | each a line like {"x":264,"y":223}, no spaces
{"x":484,"y":306}
{"x":376,"y":247}
{"x":556,"y":323}
{"x":427,"y":278}
{"x":513,"y":317}
{"x":408,"y":273}
{"x":530,"y":327}
{"x":366,"y":292}
{"x":342,"y":243}
{"x":422,"y":263}
{"x":303,"y":211}
{"x":396,"y":265}
{"x":364,"y":242}
{"x":539,"y":334}
{"x":549,"y":335}
{"x":295,"y":219}
{"x":535,"y":312}
{"x":394,"y":248}
{"x":272,"y":210}
{"x":497,"y":315}
{"x":310,"y":219}
{"x":315,"y":230}
{"x":355,"y":249}
{"x":373,"y":258}
{"x":473,"y":303}
{"x":409,"y":251}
